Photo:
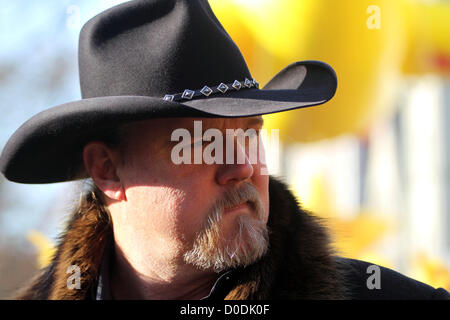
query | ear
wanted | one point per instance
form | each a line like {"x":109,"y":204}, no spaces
{"x":101,"y":164}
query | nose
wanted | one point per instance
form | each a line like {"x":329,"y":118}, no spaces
{"x":240,"y":169}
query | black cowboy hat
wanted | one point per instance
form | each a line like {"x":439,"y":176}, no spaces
{"x":154,"y":59}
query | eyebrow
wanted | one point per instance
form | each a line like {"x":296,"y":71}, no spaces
{"x":256,"y":121}
{"x":251,"y":121}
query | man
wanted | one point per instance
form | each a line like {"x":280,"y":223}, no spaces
{"x":155,"y":227}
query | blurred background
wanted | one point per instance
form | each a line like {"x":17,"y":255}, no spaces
{"x":375,"y":161}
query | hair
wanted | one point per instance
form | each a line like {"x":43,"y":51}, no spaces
{"x":92,"y":198}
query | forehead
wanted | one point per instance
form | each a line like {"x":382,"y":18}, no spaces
{"x":165,"y":126}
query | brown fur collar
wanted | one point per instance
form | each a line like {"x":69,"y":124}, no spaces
{"x":299,"y":264}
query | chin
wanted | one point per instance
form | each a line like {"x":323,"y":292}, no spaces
{"x":243,"y":242}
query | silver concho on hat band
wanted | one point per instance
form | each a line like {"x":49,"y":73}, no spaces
{"x":206,"y":91}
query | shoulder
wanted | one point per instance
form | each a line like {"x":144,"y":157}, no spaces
{"x":367,"y":281}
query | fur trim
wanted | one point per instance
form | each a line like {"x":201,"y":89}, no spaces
{"x":82,"y":244}
{"x":299,"y":264}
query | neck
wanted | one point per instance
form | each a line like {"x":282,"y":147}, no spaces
{"x":169,"y":282}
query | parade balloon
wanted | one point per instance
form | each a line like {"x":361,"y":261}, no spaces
{"x":364,"y":41}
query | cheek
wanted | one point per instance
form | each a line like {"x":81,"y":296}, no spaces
{"x":192,"y":215}
{"x":167,"y":213}
{"x":154,"y":210}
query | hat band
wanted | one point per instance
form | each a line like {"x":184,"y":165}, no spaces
{"x":207,"y":91}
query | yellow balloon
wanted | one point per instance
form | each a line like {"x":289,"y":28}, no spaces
{"x":428,"y":38}
{"x":362,"y":40}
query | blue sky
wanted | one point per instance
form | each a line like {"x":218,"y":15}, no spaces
{"x":38,"y":70}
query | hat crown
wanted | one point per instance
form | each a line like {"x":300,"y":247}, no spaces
{"x":156,"y":47}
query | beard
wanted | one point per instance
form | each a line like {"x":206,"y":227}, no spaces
{"x":211,"y":250}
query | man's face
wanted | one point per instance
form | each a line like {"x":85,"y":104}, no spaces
{"x":212,"y":216}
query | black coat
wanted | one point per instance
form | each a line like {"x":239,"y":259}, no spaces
{"x":393,"y":285}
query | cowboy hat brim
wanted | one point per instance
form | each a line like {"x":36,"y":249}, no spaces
{"x":47,"y":148}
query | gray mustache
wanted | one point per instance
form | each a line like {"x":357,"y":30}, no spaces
{"x":246,"y":192}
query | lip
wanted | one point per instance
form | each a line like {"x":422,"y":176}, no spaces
{"x":240,"y":207}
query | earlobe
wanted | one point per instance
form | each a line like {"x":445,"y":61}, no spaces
{"x":100,"y":162}
{"x":115,"y":195}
